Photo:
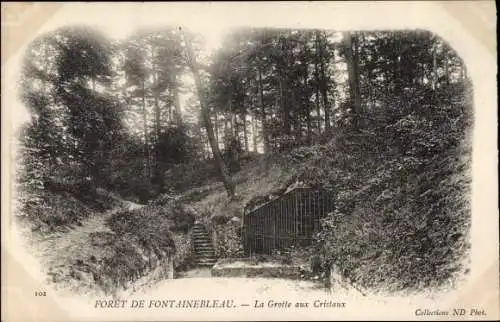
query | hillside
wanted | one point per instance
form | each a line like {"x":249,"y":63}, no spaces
{"x":381,"y":118}
{"x":428,"y":207}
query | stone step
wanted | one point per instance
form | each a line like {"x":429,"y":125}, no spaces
{"x":203,"y":236}
{"x":204,"y":252}
{"x":202,"y":239}
{"x":211,"y":261}
{"x":205,"y":256}
{"x":202,"y":242}
{"x":199,"y":233}
{"x":207,"y":264}
{"x":203,"y":248}
{"x":206,"y":260}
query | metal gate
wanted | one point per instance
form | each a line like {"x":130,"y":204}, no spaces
{"x":291,"y":219}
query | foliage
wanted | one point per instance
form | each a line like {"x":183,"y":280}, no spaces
{"x":390,"y":133}
{"x":183,"y":176}
{"x":402,"y":215}
{"x":229,"y":239}
{"x":183,"y":259}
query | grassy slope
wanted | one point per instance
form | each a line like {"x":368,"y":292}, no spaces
{"x":105,"y":246}
{"x":83,"y":253}
{"x":259,"y":178}
{"x":63,"y":254}
{"x":365,"y":233}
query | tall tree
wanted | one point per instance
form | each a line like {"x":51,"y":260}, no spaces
{"x":352,"y":62}
{"x":224,"y":173}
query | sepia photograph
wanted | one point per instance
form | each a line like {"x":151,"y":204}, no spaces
{"x":171,"y":167}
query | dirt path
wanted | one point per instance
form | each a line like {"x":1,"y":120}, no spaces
{"x":58,"y":251}
{"x":199,"y":282}
{"x":196,"y":273}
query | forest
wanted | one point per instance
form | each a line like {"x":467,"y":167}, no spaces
{"x":383,"y":116}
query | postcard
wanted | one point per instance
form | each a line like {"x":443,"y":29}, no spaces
{"x":232,"y":161}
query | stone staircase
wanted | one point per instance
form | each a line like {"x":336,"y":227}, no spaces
{"x":204,"y":253}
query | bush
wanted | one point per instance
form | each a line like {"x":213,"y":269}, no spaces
{"x":402,"y":214}
{"x":51,"y":211}
{"x":189,"y":175}
{"x":183,"y":218}
{"x":229,"y":242}
{"x":184,"y":255}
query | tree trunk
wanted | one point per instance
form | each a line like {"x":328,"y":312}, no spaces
{"x":216,"y":128}
{"x":308,"y":110}
{"x":245,"y":134}
{"x":254,"y":133}
{"x":262,"y":108}
{"x":446,"y":68}
{"x":227,"y":134}
{"x":226,"y":179}
{"x":434,"y":69}
{"x":155,"y":96}
{"x":145,"y":127}
{"x":355,"y":96}
{"x":316,"y":78}
{"x":177,"y":101}
{"x":283,"y":106}
{"x":236,"y":127}
{"x":244,"y":116}
{"x":323,"y":82}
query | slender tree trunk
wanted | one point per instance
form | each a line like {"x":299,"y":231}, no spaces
{"x":316,"y":78}
{"x":231,"y":116}
{"x":284,"y":106}
{"x":308,"y":111}
{"x":224,"y":173}
{"x":177,"y":101}
{"x":254,"y":133}
{"x":227,"y":134}
{"x":216,"y":128}
{"x":244,"y":116}
{"x":169,"y":102}
{"x":262,"y":107}
{"x":245,"y":133}
{"x":307,"y":106}
{"x":145,"y":127}
{"x":355,"y":97}
{"x":434,"y":69}
{"x":236,"y":127}
{"x":446,"y":68}
{"x":323,"y":82}
{"x":155,"y":96}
